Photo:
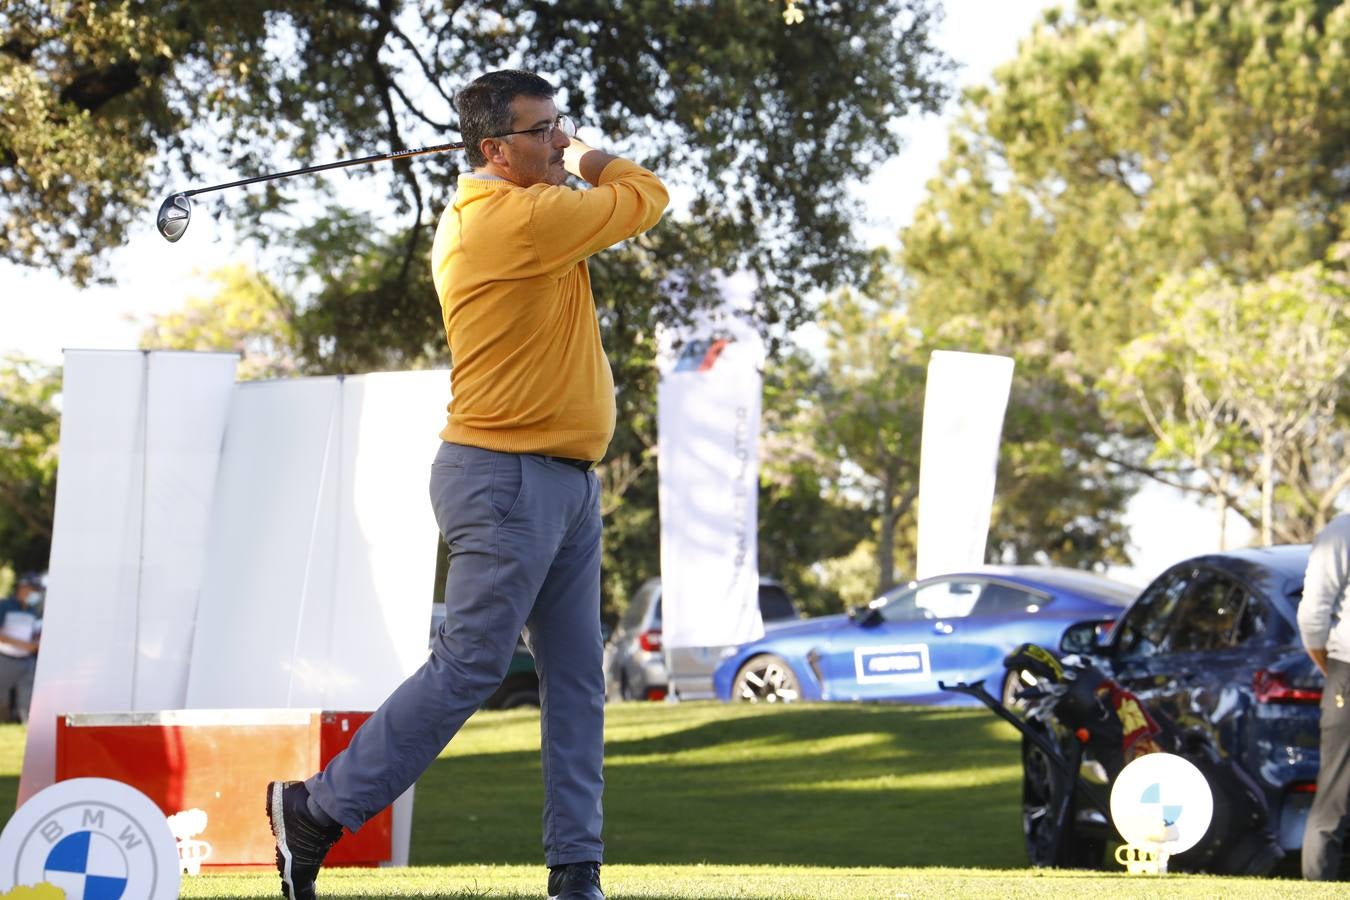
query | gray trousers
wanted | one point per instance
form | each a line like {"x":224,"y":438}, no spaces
{"x":16,"y":673}
{"x":524,"y":539}
{"x":1323,"y":837}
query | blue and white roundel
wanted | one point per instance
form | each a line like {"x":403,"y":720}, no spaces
{"x":87,"y":865}
{"x":1161,"y":800}
{"x":95,"y":839}
{"x":1167,"y":813}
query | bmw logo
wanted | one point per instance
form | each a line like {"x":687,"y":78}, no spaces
{"x":93,"y":838}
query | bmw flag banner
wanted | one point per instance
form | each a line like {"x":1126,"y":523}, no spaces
{"x":708,"y":421}
{"x":964,"y":402}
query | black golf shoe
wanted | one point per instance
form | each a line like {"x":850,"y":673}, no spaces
{"x":575,"y":881}
{"x":302,"y":843}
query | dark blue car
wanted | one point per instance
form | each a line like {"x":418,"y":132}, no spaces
{"x":1211,"y":647}
{"x":951,"y":628}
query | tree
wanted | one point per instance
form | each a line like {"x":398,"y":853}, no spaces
{"x":29,"y":430}
{"x":804,"y":519}
{"x":1131,"y":142}
{"x":122,"y":101}
{"x":1058,"y":497}
{"x":248,"y":316}
{"x":106,"y":102}
{"x":1247,"y":385}
{"x":871,"y":413}
{"x":1128,"y":141}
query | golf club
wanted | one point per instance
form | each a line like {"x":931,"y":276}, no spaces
{"x":176,"y":210}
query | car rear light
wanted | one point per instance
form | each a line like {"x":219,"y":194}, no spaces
{"x":1274,"y":687}
{"x":656,"y":693}
{"x":650,"y":640}
{"x":1303,"y":787}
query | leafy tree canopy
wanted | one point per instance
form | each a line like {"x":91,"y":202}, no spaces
{"x":247,"y":315}
{"x":761,"y":122}
{"x":1130,"y":140}
{"x":1249,"y":385}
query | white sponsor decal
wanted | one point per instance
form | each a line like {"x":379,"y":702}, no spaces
{"x":903,"y":662}
{"x":91,"y":837}
{"x":186,"y":826}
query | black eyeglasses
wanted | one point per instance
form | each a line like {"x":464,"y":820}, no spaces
{"x":545,"y":132}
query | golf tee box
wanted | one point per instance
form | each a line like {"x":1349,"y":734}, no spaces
{"x":219,"y":762}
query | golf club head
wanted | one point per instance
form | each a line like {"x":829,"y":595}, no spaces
{"x":174,"y":214}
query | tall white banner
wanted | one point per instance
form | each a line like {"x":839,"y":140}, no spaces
{"x":140,"y":444}
{"x":964,"y":403}
{"x":319,"y":571}
{"x":708,"y":421}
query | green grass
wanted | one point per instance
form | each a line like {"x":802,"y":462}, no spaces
{"x":826,"y":785}
{"x":704,"y":800}
{"x":765,"y":883}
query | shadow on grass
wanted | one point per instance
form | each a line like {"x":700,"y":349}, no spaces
{"x":822,"y":785}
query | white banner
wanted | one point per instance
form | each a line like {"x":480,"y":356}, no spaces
{"x":708,"y":422}
{"x":140,"y":443}
{"x":317,"y":588}
{"x":964,"y":403}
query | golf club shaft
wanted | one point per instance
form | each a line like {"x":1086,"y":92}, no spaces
{"x":380,"y":157}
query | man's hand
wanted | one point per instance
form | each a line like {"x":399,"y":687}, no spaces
{"x":585,"y":161}
{"x":26,"y":646}
{"x":1319,"y":658}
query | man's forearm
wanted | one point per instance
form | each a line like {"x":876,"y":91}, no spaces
{"x":1319,"y":658}
{"x":585,"y":161}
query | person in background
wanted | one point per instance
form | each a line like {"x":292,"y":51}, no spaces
{"x":20,"y":632}
{"x":1325,"y":628}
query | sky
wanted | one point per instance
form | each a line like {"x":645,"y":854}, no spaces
{"x":41,"y":314}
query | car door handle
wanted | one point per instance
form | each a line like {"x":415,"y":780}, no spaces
{"x":942,"y":628}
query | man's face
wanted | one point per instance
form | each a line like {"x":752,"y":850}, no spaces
{"x":525,"y":159}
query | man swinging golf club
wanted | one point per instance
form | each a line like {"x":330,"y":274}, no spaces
{"x":512,"y":486}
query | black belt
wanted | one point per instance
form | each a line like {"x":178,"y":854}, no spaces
{"x":584,"y":465}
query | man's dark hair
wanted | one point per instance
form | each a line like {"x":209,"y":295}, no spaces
{"x":484,"y":106}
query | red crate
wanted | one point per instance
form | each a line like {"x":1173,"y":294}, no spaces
{"x":219,"y":761}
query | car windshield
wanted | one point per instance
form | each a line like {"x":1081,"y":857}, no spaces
{"x":637,"y":608}
{"x":948,"y":598}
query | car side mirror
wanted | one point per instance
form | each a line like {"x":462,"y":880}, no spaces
{"x":866,"y":616}
{"x":1083,"y":638}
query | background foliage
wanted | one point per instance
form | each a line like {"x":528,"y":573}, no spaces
{"x":1147,"y":209}
{"x":1131,"y":149}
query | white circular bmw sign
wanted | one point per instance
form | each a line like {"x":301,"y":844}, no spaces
{"x":1162,"y":800}
{"x":92,"y":838}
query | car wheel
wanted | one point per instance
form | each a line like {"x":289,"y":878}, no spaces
{"x":766,"y":679}
{"x":1042,"y":787}
{"x":1038,"y":805}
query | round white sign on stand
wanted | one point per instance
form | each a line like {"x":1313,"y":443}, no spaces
{"x":91,"y":837}
{"x":1160,"y":803}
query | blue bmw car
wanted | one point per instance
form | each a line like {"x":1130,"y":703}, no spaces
{"x":950,"y":628}
{"x":1211,"y":649}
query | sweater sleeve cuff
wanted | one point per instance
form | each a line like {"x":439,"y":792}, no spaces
{"x":617,"y":168}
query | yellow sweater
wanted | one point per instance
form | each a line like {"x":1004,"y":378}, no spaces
{"x":529,"y":372}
